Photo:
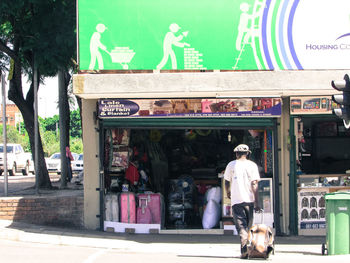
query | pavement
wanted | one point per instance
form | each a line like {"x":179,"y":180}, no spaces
{"x":25,"y":186}
{"x":287,"y":248}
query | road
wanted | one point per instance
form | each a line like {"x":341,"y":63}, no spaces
{"x":19,"y":182}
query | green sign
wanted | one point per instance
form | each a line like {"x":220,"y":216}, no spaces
{"x":207,"y":34}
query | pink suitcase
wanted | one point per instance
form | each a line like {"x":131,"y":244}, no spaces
{"x":144,"y":215}
{"x":154,"y":203}
{"x":127,"y":208}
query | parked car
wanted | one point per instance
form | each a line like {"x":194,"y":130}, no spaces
{"x":17,"y":159}
{"x":53,"y":163}
{"x":78,"y":164}
{"x":31,"y":164}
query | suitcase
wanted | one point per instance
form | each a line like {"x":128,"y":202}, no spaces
{"x":112,"y":207}
{"x":127,"y":208}
{"x":154,"y":203}
{"x":144,"y":215}
{"x":260,"y":241}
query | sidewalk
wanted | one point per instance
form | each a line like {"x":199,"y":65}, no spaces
{"x":288,"y":249}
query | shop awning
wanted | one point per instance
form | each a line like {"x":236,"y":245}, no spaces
{"x":209,"y":123}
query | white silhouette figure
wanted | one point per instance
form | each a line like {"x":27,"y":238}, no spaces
{"x":243,"y":27}
{"x":169,"y":40}
{"x":95,"y":45}
{"x":248,"y":29}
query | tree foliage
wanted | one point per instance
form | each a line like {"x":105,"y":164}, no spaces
{"x":40,"y":33}
{"x":52,"y":124}
{"x":14,"y":136}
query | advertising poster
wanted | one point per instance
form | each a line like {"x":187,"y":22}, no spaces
{"x":312,"y":208}
{"x":312,"y":105}
{"x":213,"y":35}
{"x":238,"y":107}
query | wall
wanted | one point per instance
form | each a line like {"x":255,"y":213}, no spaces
{"x":284,"y":165}
{"x":206,"y":84}
{"x":64,"y":211}
{"x":91,"y":165}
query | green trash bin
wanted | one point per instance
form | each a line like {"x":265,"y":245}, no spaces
{"x":338,"y":223}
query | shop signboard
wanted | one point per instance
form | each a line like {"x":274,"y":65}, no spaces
{"x":312,"y":208}
{"x":232,"y":107}
{"x":312,"y":105}
{"x":213,"y":35}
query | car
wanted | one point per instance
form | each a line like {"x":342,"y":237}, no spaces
{"x":53,"y":163}
{"x":31,"y":164}
{"x":78,"y":164}
{"x":17,"y":159}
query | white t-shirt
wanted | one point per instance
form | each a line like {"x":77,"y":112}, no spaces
{"x":241,"y":173}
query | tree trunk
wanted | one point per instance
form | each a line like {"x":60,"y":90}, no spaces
{"x":25,"y":106}
{"x":64,"y":121}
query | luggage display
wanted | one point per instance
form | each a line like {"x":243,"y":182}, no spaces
{"x":127,"y":207}
{"x":261,"y":241}
{"x":112,"y":207}
{"x":152,"y":202}
{"x":143,"y":215}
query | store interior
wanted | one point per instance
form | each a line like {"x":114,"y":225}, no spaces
{"x":323,"y":145}
{"x":181,"y":164}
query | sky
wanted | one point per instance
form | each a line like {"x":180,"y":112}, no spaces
{"x":47,"y":96}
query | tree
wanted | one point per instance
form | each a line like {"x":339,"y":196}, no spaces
{"x":13,"y":136}
{"x":75,"y":124}
{"x":51,"y":124}
{"x":40,"y":32}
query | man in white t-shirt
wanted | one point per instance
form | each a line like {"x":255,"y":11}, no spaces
{"x":243,"y":177}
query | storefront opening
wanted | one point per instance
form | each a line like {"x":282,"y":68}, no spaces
{"x":183,"y":164}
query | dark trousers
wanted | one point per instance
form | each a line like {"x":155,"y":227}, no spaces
{"x":69,"y":172}
{"x":243,"y":218}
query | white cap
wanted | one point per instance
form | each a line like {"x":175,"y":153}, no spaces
{"x":242,"y":148}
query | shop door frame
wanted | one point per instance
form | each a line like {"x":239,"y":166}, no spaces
{"x":187,"y":123}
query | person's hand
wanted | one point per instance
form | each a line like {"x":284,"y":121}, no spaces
{"x":258,"y":209}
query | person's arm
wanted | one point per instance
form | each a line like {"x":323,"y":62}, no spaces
{"x":256,"y":195}
{"x":227,"y":188}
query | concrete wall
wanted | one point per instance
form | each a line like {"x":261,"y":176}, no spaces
{"x":284,"y":165}
{"x":91,"y":165}
{"x":206,"y":84}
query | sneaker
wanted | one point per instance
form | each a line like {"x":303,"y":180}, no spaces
{"x":244,"y":255}
{"x":244,"y":252}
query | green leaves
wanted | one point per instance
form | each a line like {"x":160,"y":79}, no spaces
{"x":45,"y":28}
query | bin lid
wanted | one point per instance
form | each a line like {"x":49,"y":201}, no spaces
{"x":338,"y":196}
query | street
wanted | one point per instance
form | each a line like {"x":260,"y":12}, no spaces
{"x":18,"y":252}
{"x":33,"y":252}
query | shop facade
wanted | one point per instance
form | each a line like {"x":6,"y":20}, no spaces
{"x":88,"y":87}
{"x":175,"y":104}
{"x":320,"y":157}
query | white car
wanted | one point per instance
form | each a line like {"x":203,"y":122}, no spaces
{"x":78,"y":164}
{"x":53,"y":163}
{"x":17,"y":159}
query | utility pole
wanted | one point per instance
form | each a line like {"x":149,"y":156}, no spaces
{"x":36,"y":128}
{"x":4,"y":132}
{"x":63,"y":137}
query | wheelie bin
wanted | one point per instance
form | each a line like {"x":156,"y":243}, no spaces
{"x":337,"y":223}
